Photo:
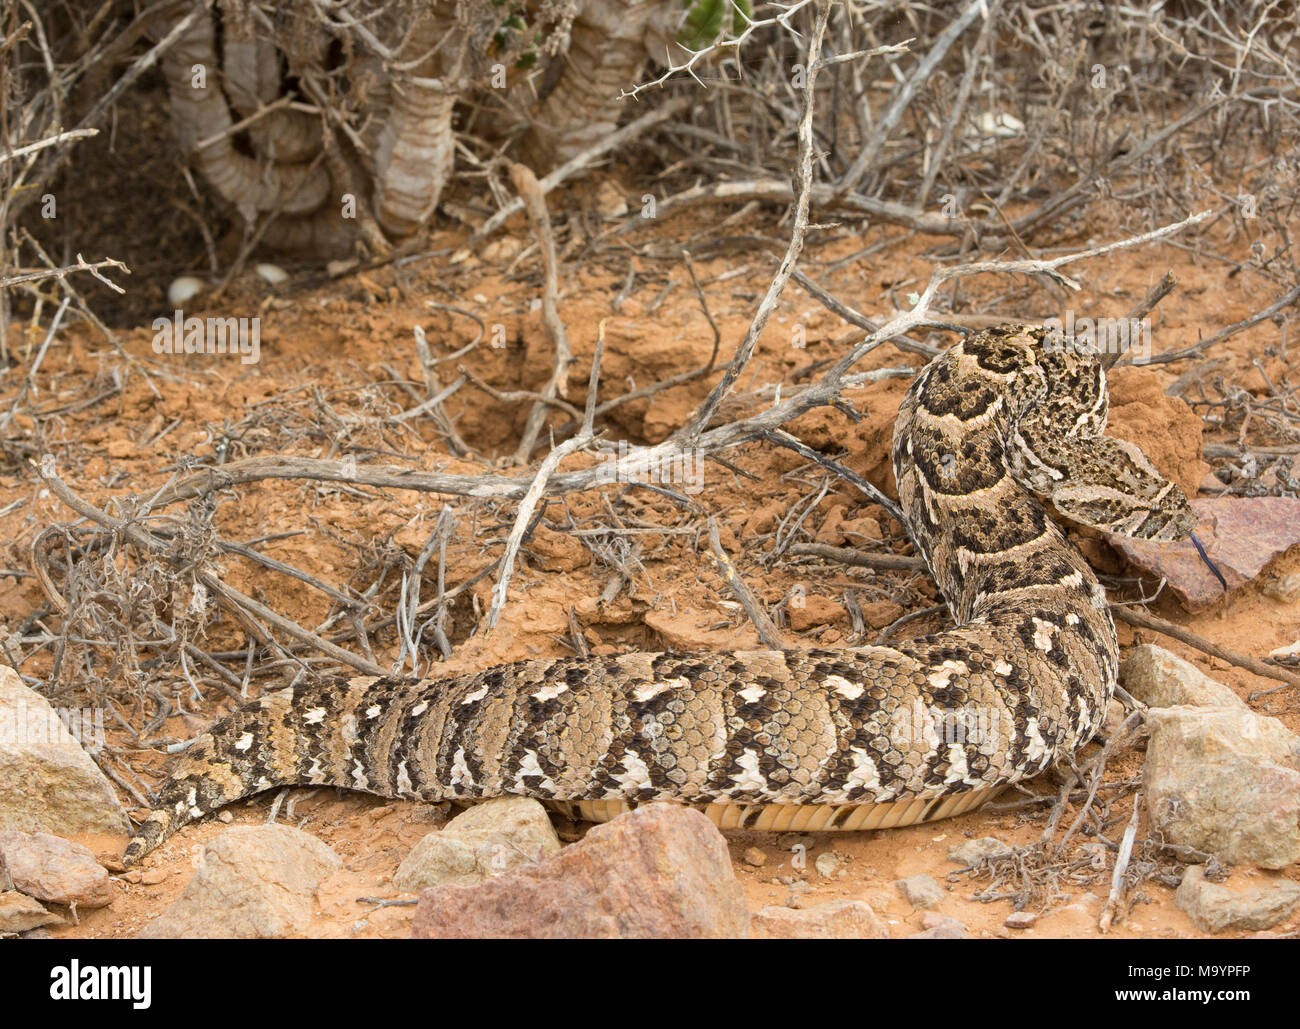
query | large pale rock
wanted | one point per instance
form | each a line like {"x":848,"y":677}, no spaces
{"x":661,"y":871}
{"x":1161,"y":679}
{"x":20,"y":913}
{"x":1218,"y":909}
{"x":253,"y":882}
{"x":834,"y":920}
{"x":53,"y":869}
{"x":488,"y":839}
{"x":48,"y":783}
{"x":1219,"y":777}
{"x":1226,"y":781}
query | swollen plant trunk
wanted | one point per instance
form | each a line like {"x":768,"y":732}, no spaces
{"x":250,"y":66}
{"x":202,"y":120}
{"x":609,"y":44}
{"x":415,"y":149}
{"x":323,"y":233}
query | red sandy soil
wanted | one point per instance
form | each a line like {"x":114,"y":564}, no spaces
{"x":326,"y":343}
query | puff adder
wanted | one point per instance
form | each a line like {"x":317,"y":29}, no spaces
{"x":989,"y":432}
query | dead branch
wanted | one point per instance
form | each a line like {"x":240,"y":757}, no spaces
{"x":530,"y":192}
{"x":768,"y":633}
{"x":1197,"y":349}
{"x":1144,"y":620}
{"x":249,"y":611}
{"x":803,"y":182}
{"x":574,"y":165}
{"x":859,"y":558}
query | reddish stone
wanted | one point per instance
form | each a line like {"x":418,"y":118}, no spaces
{"x":659,"y":872}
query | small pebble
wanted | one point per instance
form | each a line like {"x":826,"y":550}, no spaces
{"x":1020,"y":920}
{"x":754,"y":856}
{"x":972,"y":851}
{"x":1285,"y":589}
{"x":826,"y":864}
{"x":184,"y":288}
{"x":921,"y":891}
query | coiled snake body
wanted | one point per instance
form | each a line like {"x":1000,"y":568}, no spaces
{"x":818,"y":739}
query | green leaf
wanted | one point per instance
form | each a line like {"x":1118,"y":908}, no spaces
{"x":704,"y":21}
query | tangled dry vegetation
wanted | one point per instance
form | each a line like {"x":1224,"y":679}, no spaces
{"x":367,"y":132}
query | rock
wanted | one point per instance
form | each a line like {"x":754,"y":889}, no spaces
{"x":796,"y":843}
{"x":183,"y":288}
{"x":661,"y":871}
{"x":1020,"y":920}
{"x":1285,"y":589}
{"x":1161,"y":679}
{"x":834,"y":920}
{"x":558,"y":551}
{"x":921,"y":891}
{"x":1219,"y":777}
{"x":1287,"y":655}
{"x":932,"y":920}
{"x":1084,"y":912}
{"x":1115,"y":717}
{"x":973,"y":851}
{"x":1240,"y":535}
{"x":54,"y":870}
{"x":610,"y":200}
{"x":1217,"y":909}
{"x":856,"y":531}
{"x":686,"y":630}
{"x":484,"y":841}
{"x":826,"y":864}
{"x":755,"y":857}
{"x":1225,"y":781}
{"x":879,"y":613}
{"x":498,"y":251}
{"x":935,"y":926}
{"x":253,"y":882}
{"x":815,"y":610}
{"x":19,"y":913}
{"x":272,"y":274}
{"x":48,"y":783}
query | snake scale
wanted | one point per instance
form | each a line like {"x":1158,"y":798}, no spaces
{"x":852,"y":738}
